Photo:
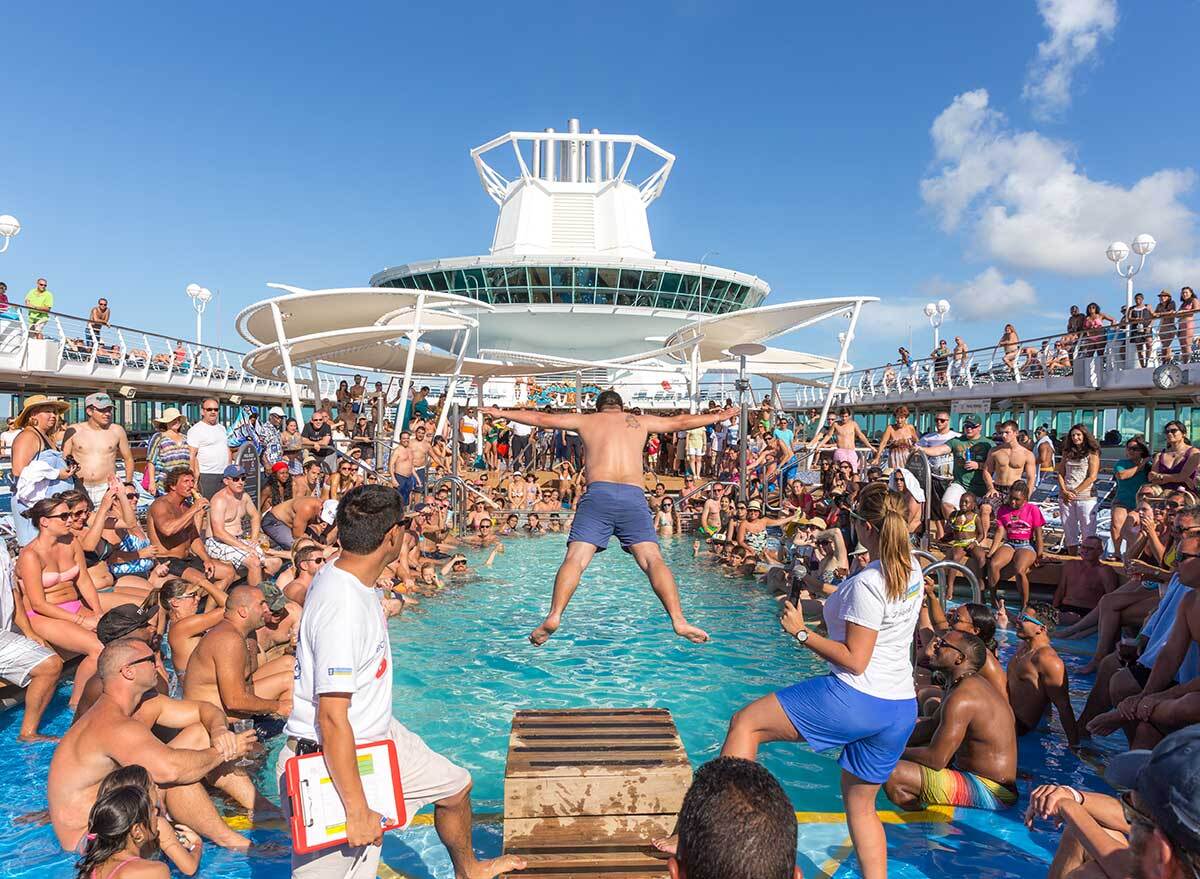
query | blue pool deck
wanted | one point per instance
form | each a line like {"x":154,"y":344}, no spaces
{"x":462,"y":667}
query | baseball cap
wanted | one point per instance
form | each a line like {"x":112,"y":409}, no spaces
{"x":969,"y":423}
{"x":233,"y":471}
{"x":277,"y":410}
{"x":99,"y":400}
{"x":122,"y":620}
{"x":1167,"y":782}
{"x":274,"y":596}
{"x":279,"y":465}
{"x":329,"y":512}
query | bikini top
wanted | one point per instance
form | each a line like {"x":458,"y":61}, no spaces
{"x":1160,"y":466}
{"x":120,"y":867}
{"x":964,"y":522}
{"x":53,"y":578}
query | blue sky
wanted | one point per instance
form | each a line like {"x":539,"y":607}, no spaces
{"x":982,"y":152}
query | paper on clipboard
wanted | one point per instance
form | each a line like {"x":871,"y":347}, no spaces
{"x":318,"y":817}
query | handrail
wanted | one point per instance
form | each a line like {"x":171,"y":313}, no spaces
{"x":941,"y":565}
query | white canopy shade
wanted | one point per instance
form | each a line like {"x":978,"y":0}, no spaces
{"x":306,"y":312}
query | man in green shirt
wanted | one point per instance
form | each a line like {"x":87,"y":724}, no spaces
{"x":39,"y":301}
{"x":970,"y":452}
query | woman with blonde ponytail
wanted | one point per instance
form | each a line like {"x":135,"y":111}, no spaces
{"x":866,"y":704}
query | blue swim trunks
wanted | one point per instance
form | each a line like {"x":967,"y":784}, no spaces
{"x":405,"y":485}
{"x":609,"y":508}
{"x":873,"y":732}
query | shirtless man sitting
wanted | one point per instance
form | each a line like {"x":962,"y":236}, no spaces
{"x":847,"y":435}
{"x":966,"y":753}
{"x":307,"y":561}
{"x":225,"y":541}
{"x":223,"y":669}
{"x":173,"y":526}
{"x":1007,"y":463}
{"x":1083,"y":582}
{"x":1037,"y":677}
{"x":116,"y":732}
{"x":95,"y":445}
{"x":287,"y":522}
{"x":615,"y":502}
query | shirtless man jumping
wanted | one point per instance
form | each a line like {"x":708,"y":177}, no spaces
{"x":95,"y":445}
{"x":225,"y":541}
{"x":223,"y":671}
{"x":173,"y":525}
{"x":846,"y":435}
{"x":1007,"y":463}
{"x":615,"y":501}
{"x":116,"y":731}
{"x":966,"y":753}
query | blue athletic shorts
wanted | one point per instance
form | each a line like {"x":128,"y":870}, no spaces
{"x":872,"y":731}
{"x":609,"y":508}
{"x":405,"y":485}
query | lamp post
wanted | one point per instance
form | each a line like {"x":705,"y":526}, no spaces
{"x":936,"y":312}
{"x":10,"y":228}
{"x":200,"y":297}
{"x":741,"y":352}
{"x":694,"y":366}
{"x":1117,"y":253}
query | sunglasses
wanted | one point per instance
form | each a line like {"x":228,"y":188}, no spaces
{"x":1024,"y":617}
{"x":210,"y":409}
{"x":149,"y":658}
{"x":939,"y":643}
{"x":76,"y":514}
{"x":236,"y":478}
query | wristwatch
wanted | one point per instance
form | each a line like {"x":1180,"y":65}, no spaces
{"x":802,"y":635}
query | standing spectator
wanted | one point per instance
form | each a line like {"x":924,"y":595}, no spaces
{"x":1138,"y":319}
{"x":1175,"y":466}
{"x":317,"y":438}
{"x":1093,"y":328}
{"x":98,"y":320}
{"x":518,"y":446}
{"x":1075,"y":322}
{"x":1129,"y":474}
{"x":209,"y":446}
{"x":168,"y":450}
{"x":4,"y":300}
{"x":356,"y":396}
{"x":6,"y":439}
{"x":1009,"y":342}
{"x":1043,"y":449}
{"x":1165,"y":312}
{"x":39,"y":301}
{"x":941,"y":362}
{"x":1187,"y":331}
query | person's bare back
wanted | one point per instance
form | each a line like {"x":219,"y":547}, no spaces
{"x":200,"y":684}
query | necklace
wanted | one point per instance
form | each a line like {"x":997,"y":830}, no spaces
{"x":958,"y":681}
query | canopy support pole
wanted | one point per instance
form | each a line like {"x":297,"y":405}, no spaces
{"x":578,"y":391}
{"x":449,"y":395}
{"x":285,"y":354}
{"x":694,"y":377}
{"x":414,"y":336}
{"x":316,"y":387}
{"x":841,"y":365}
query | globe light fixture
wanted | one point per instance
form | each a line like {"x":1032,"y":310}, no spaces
{"x":1118,"y":252}
{"x":10,"y":228}
{"x":200,"y":297}
{"x":936,"y":312}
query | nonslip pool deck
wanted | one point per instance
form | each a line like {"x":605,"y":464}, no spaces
{"x":614,"y":651}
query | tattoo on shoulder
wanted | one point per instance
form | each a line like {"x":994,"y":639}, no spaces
{"x":631,"y":421}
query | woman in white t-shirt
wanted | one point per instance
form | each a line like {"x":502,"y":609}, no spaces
{"x":867,"y":703}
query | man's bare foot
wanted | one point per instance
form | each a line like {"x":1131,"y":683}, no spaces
{"x":36,"y":737}
{"x":542,"y":633}
{"x":668,"y":845}
{"x":686,"y":630}
{"x":493,"y":867}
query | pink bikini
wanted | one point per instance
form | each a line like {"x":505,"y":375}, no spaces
{"x":53,"y":578}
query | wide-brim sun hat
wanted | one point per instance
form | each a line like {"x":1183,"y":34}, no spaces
{"x":39,"y":401}
{"x":168,"y":415}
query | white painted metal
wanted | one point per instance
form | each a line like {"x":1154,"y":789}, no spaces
{"x":281,"y":337}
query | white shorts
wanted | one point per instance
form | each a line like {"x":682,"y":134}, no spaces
{"x":96,"y":492}
{"x":19,"y":657}
{"x":233,"y":555}
{"x":952,"y":496}
{"x":426,"y":777}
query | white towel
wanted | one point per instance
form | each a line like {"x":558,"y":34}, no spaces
{"x":34,"y":482}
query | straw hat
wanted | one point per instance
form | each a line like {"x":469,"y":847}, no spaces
{"x":168,"y":415}
{"x":39,"y":401}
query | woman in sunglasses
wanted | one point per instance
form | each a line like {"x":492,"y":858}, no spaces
{"x":346,"y":477}
{"x":60,"y":600}
{"x":119,"y":554}
{"x":1175,"y":466}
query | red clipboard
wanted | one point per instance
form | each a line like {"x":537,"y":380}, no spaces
{"x":318,"y":819}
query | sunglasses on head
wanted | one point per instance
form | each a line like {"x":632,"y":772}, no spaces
{"x":1025,"y":617}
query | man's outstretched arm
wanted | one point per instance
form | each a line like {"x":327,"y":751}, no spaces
{"x":660,"y":424}
{"x":537,"y":418}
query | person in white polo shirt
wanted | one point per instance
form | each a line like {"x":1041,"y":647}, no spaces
{"x":209,"y":444}
{"x":343,"y":698}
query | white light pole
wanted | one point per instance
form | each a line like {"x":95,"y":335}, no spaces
{"x":10,"y":228}
{"x":1117,"y":253}
{"x":694,"y":370}
{"x":741,"y":352}
{"x":200,"y":297}
{"x":936,"y":312}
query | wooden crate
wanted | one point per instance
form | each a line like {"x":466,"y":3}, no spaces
{"x":586,"y":790}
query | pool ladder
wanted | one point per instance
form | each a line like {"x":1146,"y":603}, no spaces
{"x":941,"y":566}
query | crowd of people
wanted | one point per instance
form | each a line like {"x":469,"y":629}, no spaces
{"x":186,"y":625}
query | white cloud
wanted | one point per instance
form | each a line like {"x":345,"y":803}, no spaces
{"x":1026,"y":205}
{"x":1076,"y":30}
{"x":988,"y":295}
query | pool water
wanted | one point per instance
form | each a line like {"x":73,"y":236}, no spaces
{"x":462,"y":666}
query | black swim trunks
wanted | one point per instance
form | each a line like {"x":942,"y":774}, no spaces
{"x":176,"y":567}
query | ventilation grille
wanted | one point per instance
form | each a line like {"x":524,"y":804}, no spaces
{"x":574,"y":224}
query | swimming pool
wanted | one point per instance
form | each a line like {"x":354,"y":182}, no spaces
{"x":462,"y":666}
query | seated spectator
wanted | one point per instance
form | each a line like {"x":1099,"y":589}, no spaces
{"x":735,"y":823}
{"x":1037,"y":677}
{"x":966,"y":753}
{"x":1083,"y":582}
